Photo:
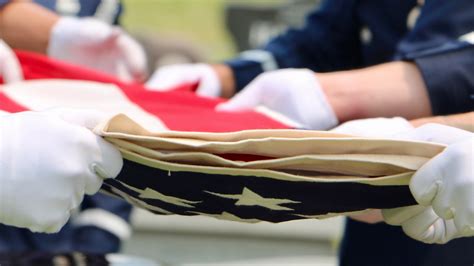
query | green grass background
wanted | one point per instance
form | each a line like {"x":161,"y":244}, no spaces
{"x":200,"y":21}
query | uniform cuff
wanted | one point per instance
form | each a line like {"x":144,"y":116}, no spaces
{"x":449,"y":80}
{"x":104,"y":220}
{"x":94,"y":240}
{"x":3,"y":3}
{"x":244,"y":71}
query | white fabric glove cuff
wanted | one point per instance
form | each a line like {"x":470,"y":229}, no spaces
{"x":322,"y":117}
{"x":209,"y":84}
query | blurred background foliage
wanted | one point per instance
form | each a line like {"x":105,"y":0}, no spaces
{"x":186,"y":31}
{"x":200,"y":21}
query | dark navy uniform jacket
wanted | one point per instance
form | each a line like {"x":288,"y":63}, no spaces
{"x":348,"y":34}
{"x":438,"y":35}
{"x":92,"y":234}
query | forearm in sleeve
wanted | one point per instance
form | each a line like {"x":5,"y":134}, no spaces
{"x":329,"y":41}
{"x":449,"y":78}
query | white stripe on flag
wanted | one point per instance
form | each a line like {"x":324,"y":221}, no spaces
{"x":39,"y":95}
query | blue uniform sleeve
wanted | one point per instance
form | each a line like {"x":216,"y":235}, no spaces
{"x":328,"y":41}
{"x":3,"y":2}
{"x":101,"y":225}
{"x":449,"y":77}
{"x":441,"y":44}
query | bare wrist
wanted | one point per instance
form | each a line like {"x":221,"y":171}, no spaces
{"x":31,"y":34}
{"x":339,"y":90}
{"x":226,"y":79}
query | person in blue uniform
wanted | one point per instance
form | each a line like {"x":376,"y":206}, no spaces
{"x":106,"y":11}
{"x":101,"y":222}
{"x":362,"y":59}
{"x":85,"y":35}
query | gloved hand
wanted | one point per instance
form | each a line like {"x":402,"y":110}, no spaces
{"x":374,"y":128}
{"x":10,"y":68}
{"x":49,"y":160}
{"x":168,"y":77}
{"x":95,"y":44}
{"x":293,"y":93}
{"x":444,"y":188}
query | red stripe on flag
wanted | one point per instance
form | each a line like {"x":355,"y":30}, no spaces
{"x":8,"y":105}
{"x":179,"y":109}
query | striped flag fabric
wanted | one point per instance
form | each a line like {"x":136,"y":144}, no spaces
{"x":183,"y":157}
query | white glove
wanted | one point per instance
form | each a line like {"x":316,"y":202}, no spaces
{"x":293,"y":93}
{"x":95,"y":44}
{"x":10,"y":68}
{"x":374,"y":128}
{"x":444,"y":187}
{"x":49,"y":160}
{"x":168,"y":77}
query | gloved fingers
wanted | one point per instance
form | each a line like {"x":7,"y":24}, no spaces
{"x":429,"y":228}
{"x":436,"y":133}
{"x":159,"y":82}
{"x":55,"y":226}
{"x":464,"y":222}
{"x":427,"y":181}
{"x":424,"y":226}
{"x":49,"y":216}
{"x":93,"y":32}
{"x":134,"y":57}
{"x":249,"y":98}
{"x":88,"y":118}
{"x":167,"y":77}
{"x":209,"y":83}
{"x":105,"y":162}
{"x":102,"y":159}
{"x":10,"y":68}
{"x":464,"y":218}
{"x":120,"y":70}
{"x":374,"y":127}
{"x":398,"y":216}
{"x":80,"y":32}
{"x":443,"y":202}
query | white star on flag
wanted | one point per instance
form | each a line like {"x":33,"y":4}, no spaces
{"x":250,"y":198}
{"x":149,"y":193}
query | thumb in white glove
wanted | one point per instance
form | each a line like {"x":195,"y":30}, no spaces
{"x":49,"y":160}
{"x":294,"y":93}
{"x":10,"y":68}
{"x":95,"y":44}
{"x":169,"y":77}
{"x":444,"y":187}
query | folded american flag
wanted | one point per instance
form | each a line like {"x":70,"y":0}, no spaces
{"x":174,"y":166}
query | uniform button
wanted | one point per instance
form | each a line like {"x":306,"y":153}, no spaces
{"x":68,"y":7}
{"x":468,"y":37}
{"x":365,"y":35}
{"x":413,"y":17}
